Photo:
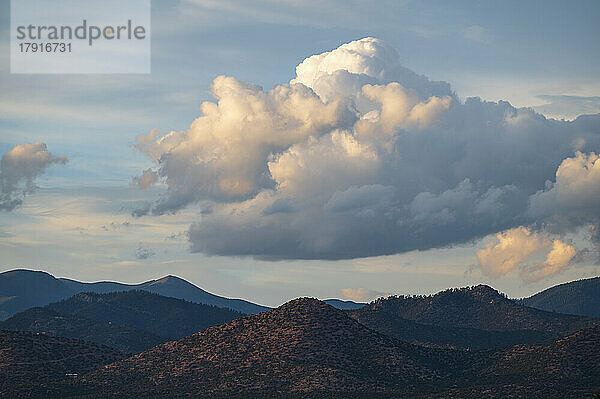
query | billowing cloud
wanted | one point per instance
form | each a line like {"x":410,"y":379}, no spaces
{"x":298,"y":170}
{"x":576,"y":190}
{"x":18,"y":170}
{"x":573,"y":199}
{"x":224,"y":154}
{"x":557,"y":259}
{"x":517,"y":249}
{"x":344,"y":70}
{"x":358,"y":156}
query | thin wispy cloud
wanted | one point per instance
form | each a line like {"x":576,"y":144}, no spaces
{"x":568,"y":107}
{"x":18,"y":170}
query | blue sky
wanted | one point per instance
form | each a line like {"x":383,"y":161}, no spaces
{"x":531,"y":54}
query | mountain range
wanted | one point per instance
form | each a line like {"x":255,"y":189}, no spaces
{"x":470,"y":342}
{"x":303,"y":347}
{"x":22,"y":289}
{"x":474,"y":317}
{"x":130,"y":321}
{"x":306,"y":349}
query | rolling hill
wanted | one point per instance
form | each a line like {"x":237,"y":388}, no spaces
{"x":27,"y":357}
{"x":572,"y":359}
{"x":446,"y":336}
{"x":566,"y":368}
{"x":580,"y":297}
{"x":45,"y":320}
{"x":303,"y":348}
{"x":476,"y":317}
{"x":166,"y":317}
{"x":307,"y":349}
{"x":130,"y":321}
{"x":22,"y":289}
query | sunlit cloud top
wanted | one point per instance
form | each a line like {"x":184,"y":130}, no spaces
{"x":359,"y":156}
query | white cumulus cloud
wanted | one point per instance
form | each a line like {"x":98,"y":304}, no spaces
{"x":358,"y":156}
{"x":576,"y":189}
{"x":516,"y":249}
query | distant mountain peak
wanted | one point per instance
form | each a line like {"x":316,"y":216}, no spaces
{"x":21,"y":289}
{"x":170,"y":280}
{"x":303,"y":302}
{"x":170,"y":277}
{"x":25,"y":271}
{"x":305,"y":308}
{"x":486,"y":292}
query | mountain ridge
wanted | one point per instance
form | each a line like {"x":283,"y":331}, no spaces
{"x":175,"y":287}
{"x":579,"y":297}
{"x":21,"y":289}
{"x":474,"y":317}
{"x":302,"y":347}
{"x":130,"y":321}
{"x":306,"y":348}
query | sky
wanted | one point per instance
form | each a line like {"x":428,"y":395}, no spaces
{"x":333,"y":149}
